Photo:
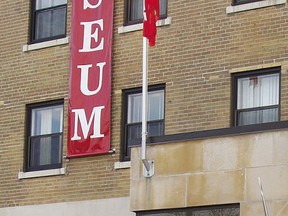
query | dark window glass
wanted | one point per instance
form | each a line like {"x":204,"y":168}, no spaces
{"x":44,"y":144}
{"x":134,"y":10}
{"x":217,"y":212}
{"x":220,"y":210}
{"x":237,"y":2}
{"x":133,"y":117}
{"x":257,"y":97}
{"x":48,"y":20}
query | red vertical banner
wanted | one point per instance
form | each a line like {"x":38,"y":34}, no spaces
{"x":90,"y":78}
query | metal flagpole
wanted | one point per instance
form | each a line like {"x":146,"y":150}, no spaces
{"x":263,"y":198}
{"x":148,"y":166}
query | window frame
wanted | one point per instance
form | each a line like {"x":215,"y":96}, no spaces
{"x":32,"y":27}
{"x":124,"y":131}
{"x":27,"y":158}
{"x":127,"y":18}
{"x":188,"y":211}
{"x":234,"y":94}
{"x":236,"y":2}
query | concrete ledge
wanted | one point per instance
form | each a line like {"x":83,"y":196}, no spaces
{"x":46,"y":44}
{"x":101,"y":207}
{"x":253,"y":5}
{"x":122,"y":165}
{"x":42,"y":173}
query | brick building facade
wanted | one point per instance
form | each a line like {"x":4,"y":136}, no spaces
{"x":208,"y":148}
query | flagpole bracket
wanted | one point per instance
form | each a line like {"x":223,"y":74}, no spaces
{"x":148,"y":168}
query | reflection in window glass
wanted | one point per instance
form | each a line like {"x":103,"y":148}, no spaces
{"x":168,"y":214}
{"x":217,"y":212}
{"x":41,"y":4}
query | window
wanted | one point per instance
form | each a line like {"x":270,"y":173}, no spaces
{"x":223,"y":210}
{"x":44,"y":136}
{"x":256,"y":97}
{"x":133,"y":116}
{"x":48,"y":20}
{"x":134,"y":11}
{"x":237,"y":2}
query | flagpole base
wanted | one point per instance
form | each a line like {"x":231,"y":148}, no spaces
{"x":148,"y":168}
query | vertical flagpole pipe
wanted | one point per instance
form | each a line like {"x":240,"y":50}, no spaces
{"x":144,"y":103}
{"x":148,"y":168}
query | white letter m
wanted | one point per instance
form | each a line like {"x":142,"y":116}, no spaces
{"x":81,"y":116}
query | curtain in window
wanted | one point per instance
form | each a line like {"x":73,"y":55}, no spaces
{"x":134,"y":108}
{"x":50,"y":23}
{"x":136,"y":9}
{"x":45,"y":149}
{"x":258,"y":92}
{"x":163,"y":6}
{"x":155,"y":106}
{"x":50,"y":20}
{"x":41,"y":4}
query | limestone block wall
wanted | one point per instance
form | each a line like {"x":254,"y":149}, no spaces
{"x":215,"y":171}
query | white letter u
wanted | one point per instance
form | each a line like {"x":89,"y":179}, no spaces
{"x":84,"y":78}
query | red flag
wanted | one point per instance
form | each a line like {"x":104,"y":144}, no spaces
{"x":151,"y":15}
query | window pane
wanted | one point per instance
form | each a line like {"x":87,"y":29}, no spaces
{"x":45,"y":150}
{"x":224,"y":210}
{"x":258,"y":116}
{"x":50,"y":23}
{"x":134,"y":131}
{"x":258,"y":91}
{"x":163,"y":7}
{"x":245,"y":1}
{"x":217,"y":212}
{"x":168,"y":214}
{"x":155,"y":128}
{"x":58,"y":21}
{"x":134,"y":108}
{"x":47,"y":120}
{"x":136,"y":9}
{"x":155,"y":106}
{"x":42,"y":24}
{"x":41,"y":4}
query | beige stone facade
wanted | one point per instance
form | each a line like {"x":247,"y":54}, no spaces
{"x":215,"y":171}
{"x":198,"y":49}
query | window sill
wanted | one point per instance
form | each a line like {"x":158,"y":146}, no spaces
{"x":253,"y":5}
{"x":42,"y":173}
{"x":122,"y":165}
{"x":136,"y":27}
{"x":46,"y":44}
